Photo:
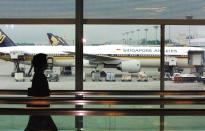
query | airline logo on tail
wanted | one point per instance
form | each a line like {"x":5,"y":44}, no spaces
{"x":56,"y":40}
{"x":5,"y":40}
{"x":2,"y":37}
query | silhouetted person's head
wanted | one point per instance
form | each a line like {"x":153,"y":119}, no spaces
{"x":39,"y":62}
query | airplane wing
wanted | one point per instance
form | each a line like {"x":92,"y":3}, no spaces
{"x":99,"y":58}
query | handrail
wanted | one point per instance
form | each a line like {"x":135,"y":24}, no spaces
{"x":102,"y":112}
{"x":102,"y":21}
{"x":103,"y":100}
{"x":113,"y":92}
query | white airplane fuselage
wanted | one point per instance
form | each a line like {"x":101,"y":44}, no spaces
{"x":64,"y":55}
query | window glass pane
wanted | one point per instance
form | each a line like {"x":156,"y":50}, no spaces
{"x":121,"y":57}
{"x":53,"y":40}
{"x":184,"y":123}
{"x":122,"y":123}
{"x":19,"y":122}
{"x":184,"y":57}
{"x":144,"y":9}
{"x":37,"y":9}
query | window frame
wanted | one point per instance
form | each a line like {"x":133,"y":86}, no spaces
{"x":79,"y":22}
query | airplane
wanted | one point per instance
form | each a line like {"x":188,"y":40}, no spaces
{"x":122,"y":57}
{"x":130,"y":56}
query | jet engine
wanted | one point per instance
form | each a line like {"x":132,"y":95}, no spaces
{"x":131,"y":66}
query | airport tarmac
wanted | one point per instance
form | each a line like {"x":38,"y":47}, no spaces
{"x":65,"y":84}
{"x":68,"y":83}
{"x":103,"y":123}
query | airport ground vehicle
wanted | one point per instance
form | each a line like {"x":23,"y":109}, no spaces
{"x":19,"y":76}
{"x":96,"y":76}
{"x":126,"y":76}
{"x":185,"y":78}
{"x":50,"y":77}
{"x":175,"y":75}
{"x":142,"y":76}
{"x":53,"y":77}
{"x":110,"y":76}
{"x":21,"y":70}
{"x":66,"y":71}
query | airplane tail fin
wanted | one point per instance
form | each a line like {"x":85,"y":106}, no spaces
{"x":5,"y":40}
{"x":56,"y":40}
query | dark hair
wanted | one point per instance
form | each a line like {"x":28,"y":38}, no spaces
{"x":39,"y":60}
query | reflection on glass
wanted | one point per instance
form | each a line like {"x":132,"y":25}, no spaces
{"x":37,"y":9}
{"x":150,"y":9}
{"x":184,"y":57}
{"x":121,"y":57}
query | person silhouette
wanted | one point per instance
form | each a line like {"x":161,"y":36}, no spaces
{"x":40,"y":88}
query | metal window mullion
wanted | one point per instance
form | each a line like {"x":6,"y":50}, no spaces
{"x":79,"y":46}
{"x":103,"y":21}
{"x":162,"y":52}
{"x":146,"y":21}
{"x":162,"y":56}
{"x":37,"y":21}
{"x":79,"y":60}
